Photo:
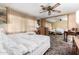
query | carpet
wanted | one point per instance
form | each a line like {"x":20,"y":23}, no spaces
{"x":58,"y":46}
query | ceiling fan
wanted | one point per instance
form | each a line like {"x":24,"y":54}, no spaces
{"x":50,"y":9}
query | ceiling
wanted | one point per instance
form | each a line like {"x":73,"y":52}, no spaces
{"x":34,"y":8}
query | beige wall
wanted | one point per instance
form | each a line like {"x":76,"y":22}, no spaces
{"x":67,"y":25}
{"x":19,"y":23}
{"x":48,"y":25}
{"x":60,"y":24}
{"x":78,"y":27}
{"x":72,"y":21}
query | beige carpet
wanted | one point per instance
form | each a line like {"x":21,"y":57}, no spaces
{"x":58,"y":46}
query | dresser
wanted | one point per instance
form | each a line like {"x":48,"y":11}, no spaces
{"x":43,"y":31}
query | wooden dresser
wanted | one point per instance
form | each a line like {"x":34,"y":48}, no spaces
{"x":43,"y":31}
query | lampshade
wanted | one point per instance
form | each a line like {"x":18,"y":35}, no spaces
{"x":37,"y":26}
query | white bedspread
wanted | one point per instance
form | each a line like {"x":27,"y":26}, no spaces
{"x":18,"y":44}
{"x":30,"y":41}
{"x":10,"y":47}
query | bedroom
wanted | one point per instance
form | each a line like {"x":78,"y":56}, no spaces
{"x":24,"y":30}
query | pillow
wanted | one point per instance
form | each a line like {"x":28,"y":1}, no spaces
{"x":30,"y":33}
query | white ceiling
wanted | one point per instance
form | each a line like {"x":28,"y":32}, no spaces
{"x":34,"y":8}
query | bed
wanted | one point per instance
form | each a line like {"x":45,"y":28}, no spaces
{"x":23,"y":44}
{"x":57,"y":31}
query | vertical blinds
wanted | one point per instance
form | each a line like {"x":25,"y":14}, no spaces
{"x":20,"y":24}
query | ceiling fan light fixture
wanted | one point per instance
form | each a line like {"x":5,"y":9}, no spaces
{"x":50,"y":9}
{"x":49,"y":12}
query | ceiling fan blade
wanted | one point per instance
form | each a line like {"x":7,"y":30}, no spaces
{"x":42,"y":11}
{"x":43,"y":8}
{"x":56,"y":5}
{"x":56,"y":11}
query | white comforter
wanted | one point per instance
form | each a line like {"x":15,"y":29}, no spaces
{"x":30,"y":41}
{"x":18,"y":44}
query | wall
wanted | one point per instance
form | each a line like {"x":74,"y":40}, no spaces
{"x":18,"y":22}
{"x":72,"y":21}
{"x":48,"y":25}
{"x":77,"y":19}
{"x":67,"y":25}
{"x":60,"y":24}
